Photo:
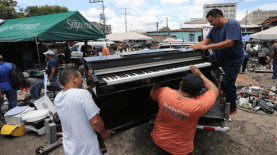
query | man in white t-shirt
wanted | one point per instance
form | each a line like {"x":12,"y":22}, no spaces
{"x":79,"y":116}
{"x":263,"y":54}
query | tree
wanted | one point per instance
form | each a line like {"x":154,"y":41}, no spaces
{"x":7,"y":10}
{"x":44,"y":10}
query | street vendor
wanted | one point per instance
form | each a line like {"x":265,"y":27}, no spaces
{"x":52,"y":67}
{"x":263,"y":54}
{"x":228,"y":47}
{"x":35,"y":85}
{"x":273,"y":50}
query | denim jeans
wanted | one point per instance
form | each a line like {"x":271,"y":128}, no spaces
{"x":36,"y":90}
{"x":12,"y":99}
{"x":231,"y":73}
{"x":55,"y":81}
{"x":274,"y":70}
{"x":246,"y":58}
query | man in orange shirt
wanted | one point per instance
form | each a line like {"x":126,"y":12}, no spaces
{"x":105,"y":50}
{"x":179,"y":111}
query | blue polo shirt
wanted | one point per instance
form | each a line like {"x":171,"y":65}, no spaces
{"x":5,"y":80}
{"x":52,"y":63}
{"x":234,"y":55}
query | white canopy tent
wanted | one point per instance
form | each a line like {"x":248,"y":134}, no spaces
{"x":269,"y":34}
{"x":127,"y":36}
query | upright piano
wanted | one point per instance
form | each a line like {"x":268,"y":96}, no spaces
{"x":123,"y":83}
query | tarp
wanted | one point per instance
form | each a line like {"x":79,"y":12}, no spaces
{"x":127,"y":36}
{"x":54,"y":27}
{"x":246,"y":37}
{"x":269,"y":34}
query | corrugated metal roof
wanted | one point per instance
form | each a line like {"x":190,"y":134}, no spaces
{"x":127,"y":36}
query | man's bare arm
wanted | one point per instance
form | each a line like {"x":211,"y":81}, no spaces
{"x":156,"y":86}
{"x":206,"y":41}
{"x":1,"y":95}
{"x":52,"y":71}
{"x":98,"y":125}
{"x":207,"y":83}
{"x":222,"y":45}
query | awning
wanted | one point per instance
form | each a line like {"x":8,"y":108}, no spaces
{"x":54,"y":27}
{"x":269,"y":34}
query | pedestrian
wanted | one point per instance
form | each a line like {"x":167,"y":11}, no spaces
{"x":93,"y":52}
{"x":179,"y":112}
{"x":67,"y":52}
{"x":79,"y":116}
{"x":113,"y":50}
{"x":263,"y":54}
{"x":5,"y":85}
{"x":249,"y":49}
{"x":35,"y":85}
{"x":84,"y":47}
{"x":273,"y":50}
{"x":86,"y":52}
{"x":105,"y":50}
{"x":246,"y":58}
{"x":52,"y":68}
{"x":87,"y":75}
{"x":228,"y":51}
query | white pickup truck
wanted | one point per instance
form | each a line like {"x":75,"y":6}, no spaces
{"x":98,"y":46}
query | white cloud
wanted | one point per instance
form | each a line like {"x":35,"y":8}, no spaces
{"x":196,"y":9}
{"x":203,"y":2}
{"x":269,"y":6}
{"x":153,"y":12}
{"x":175,"y":2}
{"x":93,"y":12}
{"x":89,"y":18}
{"x":122,"y":2}
{"x":137,"y":2}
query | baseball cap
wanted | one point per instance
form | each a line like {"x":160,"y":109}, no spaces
{"x":49,"y":53}
{"x":192,"y":84}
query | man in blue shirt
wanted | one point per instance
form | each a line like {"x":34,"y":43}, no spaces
{"x":6,"y":88}
{"x":52,"y":67}
{"x":228,"y":50}
{"x":246,"y":58}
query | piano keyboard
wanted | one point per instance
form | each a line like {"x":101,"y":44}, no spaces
{"x":148,"y":73}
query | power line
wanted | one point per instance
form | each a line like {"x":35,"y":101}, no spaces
{"x":125,"y":17}
{"x":103,"y":15}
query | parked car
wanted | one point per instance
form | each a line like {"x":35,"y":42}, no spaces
{"x":175,"y":45}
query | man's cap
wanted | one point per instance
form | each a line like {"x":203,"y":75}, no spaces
{"x":273,"y":41}
{"x":49,"y":53}
{"x":81,"y":68}
{"x":192,"y":84}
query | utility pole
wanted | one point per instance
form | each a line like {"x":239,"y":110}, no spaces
{"x":125,"y":17}
{"x":157,"y":28}
{"x":104,"y":17}
{"x":168,"y":34}
{"x":246,"y":21}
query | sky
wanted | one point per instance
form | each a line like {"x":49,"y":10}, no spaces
{"x":142,"y":15}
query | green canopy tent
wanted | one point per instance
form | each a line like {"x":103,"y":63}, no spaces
{"x":54,"y":27}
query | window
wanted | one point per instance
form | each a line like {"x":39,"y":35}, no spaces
{"x":219,"y":6}
{"x":231,"y":10}
{"x":206,"y":11}
{"x":225,"y":11}
{"x":208,"y":7}
{"x":75,"y":48}
{"x":226,"y":15}
{"x":213,"y":6}
{"x":232,"y":5}
{"x":232,"y":15}
{"x":191,"y":38}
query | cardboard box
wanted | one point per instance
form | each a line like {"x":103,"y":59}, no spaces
{"x":13,"y":130}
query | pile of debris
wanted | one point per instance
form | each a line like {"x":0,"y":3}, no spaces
{"x":254,"y":66}
{"x":258,"y":98}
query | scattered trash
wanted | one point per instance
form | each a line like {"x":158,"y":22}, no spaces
{"x":266,"y":138}
{"x":237,"y":128}
{"x":263,"y":74}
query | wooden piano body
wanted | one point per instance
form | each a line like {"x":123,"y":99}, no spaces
{"x":125,"y":105}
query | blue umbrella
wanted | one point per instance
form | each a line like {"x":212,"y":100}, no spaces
{"x":246,"y":37}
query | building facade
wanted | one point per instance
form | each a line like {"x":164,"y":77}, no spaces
{"x":99,"y":27}
{"x":229,"y":10}
{"x":189,"y":35}
{"x":257,"y":17}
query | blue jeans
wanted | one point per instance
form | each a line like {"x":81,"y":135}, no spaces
{"x":246,"y":58}
{"x":231,"y":73}
{"x":55,"y":81}
{"x":36,"y":90}
{"x":12,"y":99}
{"x":274,"y":70}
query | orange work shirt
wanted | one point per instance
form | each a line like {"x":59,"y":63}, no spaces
{"x":177,"y":119}
{"x":105,"y":51}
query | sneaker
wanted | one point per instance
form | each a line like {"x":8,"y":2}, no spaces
{"x":231,"y":112}
{"x":271,"y":79}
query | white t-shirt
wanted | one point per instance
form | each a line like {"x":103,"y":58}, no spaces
{"x":75,"y":108}
{"x":263,"y":52}
{"x":250,"y":48}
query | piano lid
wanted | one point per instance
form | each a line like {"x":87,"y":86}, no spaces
{"x":147,"y":52}
{"x":128,"y":54}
